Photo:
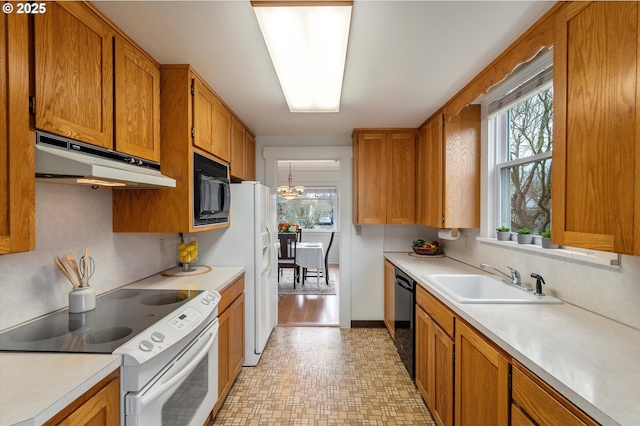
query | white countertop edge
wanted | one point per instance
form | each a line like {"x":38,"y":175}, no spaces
{"x":113,"y":362}
{"x":569,"y":393}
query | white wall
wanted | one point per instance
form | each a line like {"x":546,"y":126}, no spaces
{"x":68,"y":219}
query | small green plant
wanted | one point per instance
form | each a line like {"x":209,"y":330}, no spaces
{"x":503,"y":229}
{"x":523,"y":231}
{"x":546,"y":233}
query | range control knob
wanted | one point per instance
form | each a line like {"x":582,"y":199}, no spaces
{"x":156,"y":336}
{"x":205,"y":301}
{"x":211,"y":297}
{"x":145,"y":346}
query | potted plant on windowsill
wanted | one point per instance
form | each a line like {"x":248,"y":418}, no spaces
{"x":524,"y":236}
{"x":504,"y":233}
{"x":546,"y":240}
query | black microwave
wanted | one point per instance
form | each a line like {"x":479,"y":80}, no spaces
{"x":211,"y":191}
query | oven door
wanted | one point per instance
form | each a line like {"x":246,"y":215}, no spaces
{"x":184,"y":392}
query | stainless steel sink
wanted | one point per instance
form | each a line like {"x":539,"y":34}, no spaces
{"x":470,"y":288}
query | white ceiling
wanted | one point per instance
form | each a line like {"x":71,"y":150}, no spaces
{"x":405,"y":59}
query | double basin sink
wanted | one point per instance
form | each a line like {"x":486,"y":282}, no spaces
{"x":471,"y":288}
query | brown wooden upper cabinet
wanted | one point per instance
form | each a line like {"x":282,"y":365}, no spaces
{"x":75,"y":81}
{"x":137,"y":98}
{"x":17,"y":148}
{"x":238,"y":149}
{"x":596,"y":147}
{"x":243,"y":152}
{"x":74,"y":73}
{"x":448,"y":171}
{"x":183,"y":106}
{"x":211,"y":121}
{"x":384,"y":176}
{"x":250,"y":153}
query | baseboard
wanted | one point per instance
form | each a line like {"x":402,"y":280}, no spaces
{"x":367,"y":324}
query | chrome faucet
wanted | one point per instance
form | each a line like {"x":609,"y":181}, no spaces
{"x":514,"y":279}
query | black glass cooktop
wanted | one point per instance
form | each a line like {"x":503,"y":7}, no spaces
{"x":118,"y":317}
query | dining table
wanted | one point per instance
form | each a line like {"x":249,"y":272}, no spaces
{"x":311,"y":256}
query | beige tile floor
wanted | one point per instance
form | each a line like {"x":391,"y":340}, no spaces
{"x":325,"y":376}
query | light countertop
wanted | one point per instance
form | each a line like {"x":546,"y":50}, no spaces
{"x":591,"y":360}
{"x":217,"y":279}
{"x":36,"y":386}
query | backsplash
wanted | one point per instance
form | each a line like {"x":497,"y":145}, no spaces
{"x":611,"y":292}
{"x":68,"y":219}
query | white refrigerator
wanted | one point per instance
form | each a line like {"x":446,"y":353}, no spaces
{"x":250,"y":241}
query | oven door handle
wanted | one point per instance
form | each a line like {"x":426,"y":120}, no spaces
{"x":154,"y":394}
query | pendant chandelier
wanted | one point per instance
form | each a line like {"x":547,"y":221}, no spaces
{"x":289,"y":192}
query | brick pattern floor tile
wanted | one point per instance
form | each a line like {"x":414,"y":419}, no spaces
{"x":325,"y":376}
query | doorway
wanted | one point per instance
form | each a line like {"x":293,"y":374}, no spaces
{"x":342,"y":154}
{"x":309,"y":203}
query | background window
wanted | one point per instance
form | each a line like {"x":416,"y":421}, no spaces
{"x":520,"y":123}
{"x":315,"y":208}
{"x":525,"y":163}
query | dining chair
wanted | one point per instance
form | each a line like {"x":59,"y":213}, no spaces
{"x":287,"y":255}
{"x":313,"y":273}
{"x":299,"y":234}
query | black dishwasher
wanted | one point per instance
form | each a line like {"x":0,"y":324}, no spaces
{"x":404,"y":318}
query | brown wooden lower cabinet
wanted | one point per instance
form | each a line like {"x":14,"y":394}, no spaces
{"x":434,"y":356}
{"x":230,"y":339}
{"x":464,"y":377}
{"x":536,"y":403}
{"x":100,"y":405}
{"x":389,"y":297}
{"x":482,"y":380}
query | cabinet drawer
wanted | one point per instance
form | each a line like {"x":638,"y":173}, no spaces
{"x":230,"y":293}
{"x":541,"y":403}
{"x":436,"y":310}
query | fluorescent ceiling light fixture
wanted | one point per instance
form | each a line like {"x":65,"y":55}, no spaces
{"x":307,"y":42}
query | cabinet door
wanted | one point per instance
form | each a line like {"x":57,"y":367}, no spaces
{"x":401,"y":170}
{"x":429,"y":173}
{"x":482,"y":381}
{"x":236,"y":336}
{"x":251,"y":156}
{"x":224,"y":339}
{"x":541,"y":404}
{"x":74,"y":73}
{"x":441,"y":364}
{"x":137,"y":98}
{"x":17,"y":148}
{"x":389,"y":297}
{"x":370,"y":195}
{"x":203,"y":115}
{"x":461,"y":185}
{"x":221,"y":131}
{"x":238,"y":148}
{"x":596,"y":126}
{"x":101,"y":409}
{"x":422,"y":354}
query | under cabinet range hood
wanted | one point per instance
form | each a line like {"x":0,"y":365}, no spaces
{"x":64,"y":160}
